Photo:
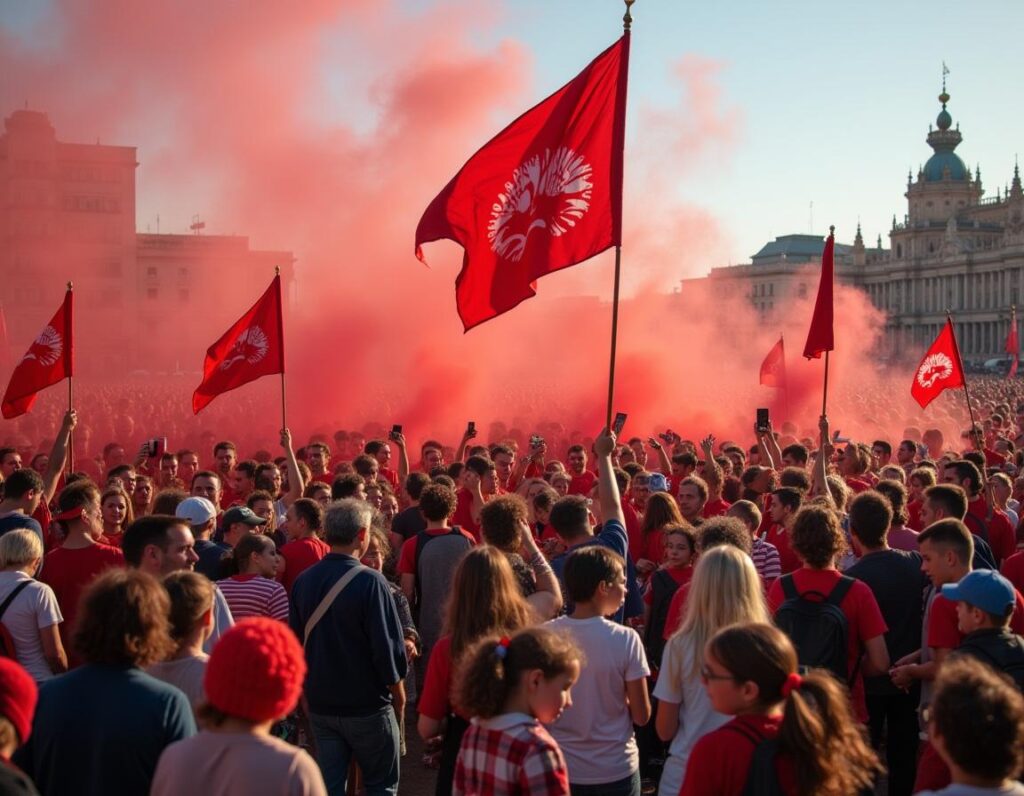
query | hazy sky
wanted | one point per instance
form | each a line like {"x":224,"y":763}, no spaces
{"x":796,"y":102}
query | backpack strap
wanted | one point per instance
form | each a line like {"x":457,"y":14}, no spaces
{"x":10,"y":597}
{"x":789,"y":587}
{"x":841,"y":589}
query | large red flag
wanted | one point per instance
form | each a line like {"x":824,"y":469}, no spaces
{"x":48,"y":360}
{"x":773,"y":369}
{"x":1012,"y":343}
{"x":5,"y":345}
{"x":543,"y":194}
{"x":252,"y":347}
{"x":941,"y":368}
{"x":819,"y":336}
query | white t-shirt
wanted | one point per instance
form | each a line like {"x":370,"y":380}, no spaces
{"x":696,"y":716}
{"x":184,"y":673}
{"x":596,"y":733}
{"x":32,"y":610}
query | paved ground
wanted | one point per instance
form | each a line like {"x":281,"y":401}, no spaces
{"x":417,"y":779}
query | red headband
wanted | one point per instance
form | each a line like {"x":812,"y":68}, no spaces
{"x":70,"y":514}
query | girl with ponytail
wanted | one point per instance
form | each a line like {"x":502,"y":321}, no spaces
{"x":800,"y":728}
{"x":510,"y":686}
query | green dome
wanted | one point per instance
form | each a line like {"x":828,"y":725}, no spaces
{"x":944,"y":120}
{"x":939,"y":162}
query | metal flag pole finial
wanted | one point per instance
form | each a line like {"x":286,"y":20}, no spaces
{"x":627,"y":19}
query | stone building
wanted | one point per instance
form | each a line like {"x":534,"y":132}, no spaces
{"x":954,"y":249}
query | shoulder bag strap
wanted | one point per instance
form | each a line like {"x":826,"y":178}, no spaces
{"x":329,"y":599}
{"x":10,"y":597}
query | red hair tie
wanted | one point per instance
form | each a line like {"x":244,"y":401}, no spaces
{"x":501,"y":650}
{"x":792,"y":683}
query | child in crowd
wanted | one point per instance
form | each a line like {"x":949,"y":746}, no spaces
{"x":596,"y":733}
{"x":679,"y":545}
{"x":976,"y":724}
{"x":510,"y":686}
{"x":191,"y":624}
{"x":251,"y":590}
{"x":254,"y":676}
{"x":818,"y":749}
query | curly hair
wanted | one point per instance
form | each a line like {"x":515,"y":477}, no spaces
{"x":816,"y":536}
{"x":501,"y":520}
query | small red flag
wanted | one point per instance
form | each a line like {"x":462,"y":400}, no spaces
{"x":1012,"y":344}
{"x":773,"y":369}
{"x":545,"y":193}
{"x":251,"y":348}
{"x":941,"y":368}
{"x":49,"y":359}
{"x":820,"y":335}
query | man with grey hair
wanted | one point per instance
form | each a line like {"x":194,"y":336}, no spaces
{"x":346,"y":618}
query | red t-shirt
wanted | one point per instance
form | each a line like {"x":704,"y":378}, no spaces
{"x":650,"y":546}
{"x":1001,"y":536}
{"x":944,"y":629}
{"x":435,"y":699}
{"x":676,"y":609}
{"x":862,"y":615}
{"x":914,"y":515}
{"x":857,"y":485}
{"x":299,"y":556}
{"x":779,"y":536}
{"x":69,"y":571}
{"x":390,"y":476}
{"x":715,"y":508}
{"x":463,"y":516}
{"x":681,"y":575}
{"x":721,"y":760}
{"x":407,"y":555}
{"x":1013,"y":570}
{"x":583,"y":483}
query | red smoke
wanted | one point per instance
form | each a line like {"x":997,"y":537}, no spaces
{"x":325,"y":128}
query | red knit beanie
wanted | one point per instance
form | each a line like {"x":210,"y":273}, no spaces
{"x":18,"y":696}
{"x":255,"y":671}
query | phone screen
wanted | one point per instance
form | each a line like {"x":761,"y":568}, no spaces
{"x":620,"y":421}
{"x":762,"y":419}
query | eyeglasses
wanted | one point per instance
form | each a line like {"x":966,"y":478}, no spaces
{"x":707,"y":675}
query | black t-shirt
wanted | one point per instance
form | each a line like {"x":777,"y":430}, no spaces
{"x":896,"y":580}
{"x":408,"y":522}
{"x":210,"y":561}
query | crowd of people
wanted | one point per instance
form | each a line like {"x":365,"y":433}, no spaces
{"x":788,"y":612}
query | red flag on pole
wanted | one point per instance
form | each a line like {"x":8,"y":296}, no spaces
{"x":820,"y":336}
{"x":251,"y":348}
{"x":5,"y":344}
{"x":545,"y":193}
{"x":773,"y":369}
{"x":1012,"y":344}
{"x":941,"y":368}
{"x":49,"y":359}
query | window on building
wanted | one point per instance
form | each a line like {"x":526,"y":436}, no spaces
{"x":899,"y":251}
{"x":771,"y":289}
{"x":151,"y":271}
{"x":152,"y":293}
{"x":183,"y":272}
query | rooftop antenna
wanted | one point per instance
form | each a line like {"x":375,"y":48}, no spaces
{"x":157,"y":223}
{"x":197,"y":226}
{"x":945,"y":71}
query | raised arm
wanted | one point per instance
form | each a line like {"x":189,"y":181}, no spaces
{"x":547,"y":600}
{"x":460,"y":454}
{"x":608,"y":488}
{"x":819,"y":473}
{"x":712,"y":470}
{"x":663,"y":460}
{"x":58,"y":455}
{"x":403,"y":457}
{"x":295,"y":484}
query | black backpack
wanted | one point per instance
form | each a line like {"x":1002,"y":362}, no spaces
{"x":762,"y":777}
{"x":663,"y":588}
{"x":818,"y":628}
{"x":1004,"y":652}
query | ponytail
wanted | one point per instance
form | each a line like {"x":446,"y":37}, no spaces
{"x":818,"y":732}
{"x":237,"y":560}
{"x":492,"y":668}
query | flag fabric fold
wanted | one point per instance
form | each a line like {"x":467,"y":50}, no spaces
{"x":544,"y":194}
{"x":820,"y":337}
{"x":49,"y":360}
{"x":251,"y":348}
{"x":941,"y":369}
{"x":773,"y":368}
{"x":1013,"y":344}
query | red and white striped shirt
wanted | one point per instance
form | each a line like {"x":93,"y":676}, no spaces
{"x":254,"y":595}
{"x":509,"y":755}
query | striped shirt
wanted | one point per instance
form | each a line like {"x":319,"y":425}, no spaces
{"x":766,"y":560}
{"x":509,"y":755}
{"x":254,"y":595}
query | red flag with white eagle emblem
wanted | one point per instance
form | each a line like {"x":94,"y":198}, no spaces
{"x":545,"y":193}
{"x":49,"y":359}
{"x":941,"y":368}
{"x":251,"y":348}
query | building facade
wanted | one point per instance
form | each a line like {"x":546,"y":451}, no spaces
{"x":954,"y":250}
{"x":67,"y":213}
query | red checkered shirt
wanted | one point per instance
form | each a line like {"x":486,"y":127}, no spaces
{"x":509,"y":755}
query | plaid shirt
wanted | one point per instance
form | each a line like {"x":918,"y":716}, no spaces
{"x":509,"y":755}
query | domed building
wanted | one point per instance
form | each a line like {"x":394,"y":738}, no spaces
{"x":955,"y":248}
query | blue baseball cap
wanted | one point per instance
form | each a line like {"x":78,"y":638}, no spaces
{"x":985,"y":589}
{"x":657,"y":482}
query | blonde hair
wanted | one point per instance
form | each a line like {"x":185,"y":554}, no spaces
{"x":19,"y":547}
{"x":725,"y":590}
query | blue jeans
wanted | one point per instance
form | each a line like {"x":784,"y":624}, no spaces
{"x":373,"y":742}
{"x":630,"y":786}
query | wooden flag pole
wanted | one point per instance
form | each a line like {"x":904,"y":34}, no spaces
{"x":627,"y":23}
{"x":785,"y":381}
{"x":960,"y":364}
{"x":824,"y":394}
{"x":280,"y":336}
{"x":70,"y":463}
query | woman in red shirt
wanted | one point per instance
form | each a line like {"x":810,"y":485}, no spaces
{"x":750,"y":673}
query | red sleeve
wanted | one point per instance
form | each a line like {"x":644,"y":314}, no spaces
{"x":407,"y":557}
{"x":943,"y":631}
{"x":868,"y":616}
{"x":1013,"y":570}
{"x":435,"y":699}
{"x":775,"y":596}
{"x":716,"y":766}
{"x":675,"y":610}
{"x":1002,"y":538}
{"x":1017,"y":620}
